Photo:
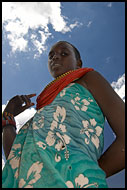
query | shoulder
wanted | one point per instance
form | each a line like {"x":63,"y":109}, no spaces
{"x":108,"y":100}
{"x":88,"y":77}
{"x":103,"y":92}
{"x":96,"y":83}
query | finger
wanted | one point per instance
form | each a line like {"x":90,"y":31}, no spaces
{"x":29,"y":101}
{"x":27,"y":106}
{"x":21,"y":99}
{"x":31,"y":95}
{"x":26,"y":99}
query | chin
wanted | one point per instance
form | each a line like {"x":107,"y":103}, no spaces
{"x":56,"y":73}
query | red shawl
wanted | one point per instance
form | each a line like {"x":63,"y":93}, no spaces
{"x":51,"y":91}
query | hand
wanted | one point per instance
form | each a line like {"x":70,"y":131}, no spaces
{"x":15,"y":106}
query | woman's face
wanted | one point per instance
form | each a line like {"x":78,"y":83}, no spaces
{"x":61,"y":59}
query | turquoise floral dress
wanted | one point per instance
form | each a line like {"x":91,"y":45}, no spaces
{"x":59,"y":147}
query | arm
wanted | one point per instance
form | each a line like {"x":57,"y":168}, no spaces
{"x":112,"y":106}
{"x":14,"y":107}
{"x":9,"y":135}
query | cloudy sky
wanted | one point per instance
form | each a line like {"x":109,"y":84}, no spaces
{"x":29,"y":29}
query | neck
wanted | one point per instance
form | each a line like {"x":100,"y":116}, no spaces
{"x":59,"y":77}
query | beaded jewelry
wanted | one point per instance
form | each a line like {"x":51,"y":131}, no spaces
{"x":59,"y":77}
{"x":55,"y":86}
{"x":8,"y":119}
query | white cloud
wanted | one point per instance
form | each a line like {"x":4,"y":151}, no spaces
{"x":23,"y":117}
{"x":3,"y":162}
{"x":109,"y":5}
{"x":119,"y":86}
{"x":21,"y":17}
{"x":89,"y":24}
{"x":3,"y":107}
{"x":108,"y":59}
{"x":76,"y":24}
{"x":17,"y":43}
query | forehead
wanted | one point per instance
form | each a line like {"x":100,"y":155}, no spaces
{"x":62,"y":45}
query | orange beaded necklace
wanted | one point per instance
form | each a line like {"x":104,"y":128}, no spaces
{"x":59,"y":77}
{"x":53,"y":88}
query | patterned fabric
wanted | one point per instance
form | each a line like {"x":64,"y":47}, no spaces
{"x":54,"y":87}
{"x":59,"y":147}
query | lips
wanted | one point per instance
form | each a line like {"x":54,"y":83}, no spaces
{"x":54,"y":65}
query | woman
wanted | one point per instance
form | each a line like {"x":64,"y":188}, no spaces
{"x":61,"y":146}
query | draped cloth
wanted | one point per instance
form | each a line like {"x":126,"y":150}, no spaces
{"x":60,"y":145}
{"x":48,"y":94}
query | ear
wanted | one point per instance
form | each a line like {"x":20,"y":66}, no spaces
{"x":79,"y":64}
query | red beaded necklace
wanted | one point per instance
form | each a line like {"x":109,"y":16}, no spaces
{"x":53,"y":88}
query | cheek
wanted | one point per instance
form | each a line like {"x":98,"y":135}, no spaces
{"x":49,"y":65}
{"x":72,"y":63}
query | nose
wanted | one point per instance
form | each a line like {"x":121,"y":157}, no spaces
{"x":56,"y":56}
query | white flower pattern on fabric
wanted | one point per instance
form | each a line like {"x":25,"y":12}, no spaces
{"x":91,"y":133}
{"x":50,"y":139}
{"x":40,"y":110}
{"x":14,"y":157}
{"x":57,"y":130}
{"x":81,"y":182}
{"x":41,"y":145}
{"x":63,"y":92}
{"x":80,"y":104}
{"x":39,"y":124}
{"x":34,"y":173}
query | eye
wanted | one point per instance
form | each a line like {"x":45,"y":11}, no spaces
{"x":64,"y":54}
{"x":51,"y":55}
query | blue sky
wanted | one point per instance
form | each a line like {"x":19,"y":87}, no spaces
{"x":29,"y":29}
